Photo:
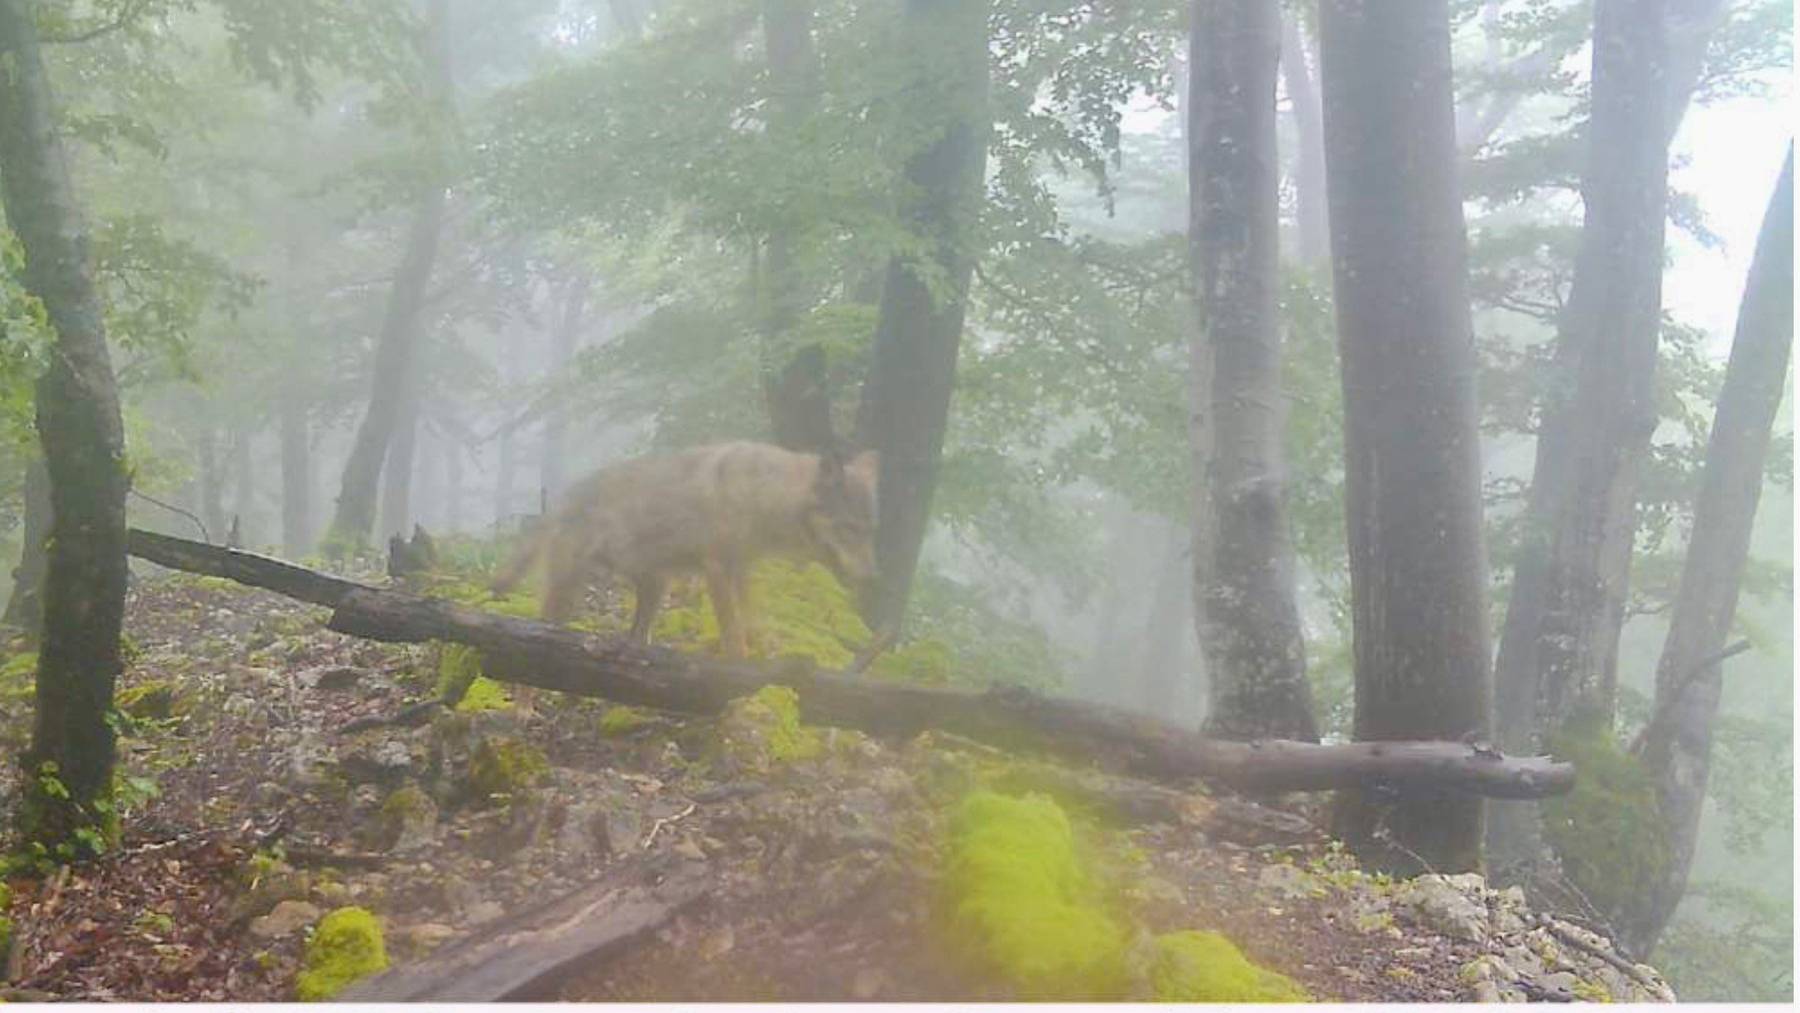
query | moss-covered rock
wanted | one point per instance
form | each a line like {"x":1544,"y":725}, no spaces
{"x":502,"y":767}
{"x":1606,"y":831}
{"x":407,"y":817}
{"x":346,"y":946}
{"x":762,"y":731}
{"x":1207,"y":967}
{"x":1019,"y":899}
{"x":622,"y":720}
{"x":155,"y":700}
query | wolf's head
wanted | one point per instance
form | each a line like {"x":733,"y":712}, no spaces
{"x":840,"y":519}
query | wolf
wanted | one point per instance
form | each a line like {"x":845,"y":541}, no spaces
{"x":711,"y":510}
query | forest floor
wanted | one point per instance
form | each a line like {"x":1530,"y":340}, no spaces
{"x":254,"y":809}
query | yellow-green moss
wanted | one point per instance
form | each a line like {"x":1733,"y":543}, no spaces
{"x":621,"y":720}
{"x":484,"y":694}
{"x":1019,"y":899}
{"x":504,"y":766}
{"x":763,"y":729}
{"x":461,"y":684}
{"x":799,"y":609}
{"x":18,"y":677}
{"x":6,"y":925}
{"x":1606,"y":831}
{"x":1591,"y":991}
{"x":347,"y":945}
{"x":156,"y":700}
{"x":1207,"y":967}
{"x":928,"y":662}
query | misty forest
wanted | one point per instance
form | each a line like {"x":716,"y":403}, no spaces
{"x":897,"y":500}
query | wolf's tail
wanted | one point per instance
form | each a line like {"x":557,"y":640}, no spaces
{"x":522,"y":559}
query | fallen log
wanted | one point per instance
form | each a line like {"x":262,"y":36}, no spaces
{"x":523,"y":956}
{"x":546,"y":656}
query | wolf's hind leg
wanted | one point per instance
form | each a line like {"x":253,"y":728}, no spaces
{"x":649,"y":590}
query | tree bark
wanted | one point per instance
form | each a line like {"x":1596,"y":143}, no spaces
{"x":1559,"y":647}
{"x":547,"y":656}
{"x":296,"y":477}
{"x":212,"y":484}
{"x":453,"y":483}
{"x":1312,"y":219}
{"x":906,"y":399}
{"x":25,"y":608}
{"x":400,"y":326}
{"x":1676,"y":748}
{"x":243,"y":484}
{"x":564,"y":337}
{"x":1243,"y":559}
{"x":397,"y":472}
{"x":1418,"y":572}
{"x":83,"y":440}
{"x":506,"y":468}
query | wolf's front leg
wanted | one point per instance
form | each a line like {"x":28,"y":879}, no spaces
{"x":649,"y":591}
{"x":722,"y":584}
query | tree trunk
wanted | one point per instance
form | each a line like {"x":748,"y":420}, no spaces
{"x":1313,"y":246}
{"x":25,"y":609}
{"x":564,"y":337}
{"x":296,"y":477}
{"x":453,"y":484}
{"x":212,"y":484}
{"x":1418,"y":573}
{"x":1559,"y":648}
{"x":506,"y":467}
{"x":83,"y":440}
{"x":243,"y":485}
{"x":397,"y":473}
{"x":401,"y":325}
{"x":1243,"y":558}
{"x":906,"y":400}
{"x":1677,"y":746}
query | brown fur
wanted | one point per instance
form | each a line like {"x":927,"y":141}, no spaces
{"x":711,"y":510}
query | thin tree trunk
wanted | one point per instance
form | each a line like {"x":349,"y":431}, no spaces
{"x":401,"y":326}
{"x":296,"y":477}
{"x":453,"y":484}
{"x":397,"y":473}
{"x":1677,"y":746}
{"x":1243,"y":560}
{"x":507,"y":466}
{"x":1559,"y":648}
{"x":1418,"y":572}
{"x":564,"y":336}
{"x":243,"y":485}
{"x":906,"y":400}
{"x":83,"y":440}
{"x":1312,"y":217}
{"x":25,"y":609}
{"x":797,"y":400}
{"x":212,"y":484}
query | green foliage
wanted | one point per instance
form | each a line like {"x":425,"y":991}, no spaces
{"x":1729,"y":944}
{"x":345,"y":946}
{"x":18,"y":677}
{"x":461,"y":685}
{"x":6,"y":923}
{"x":1207,"y":967}
{"x":620,"y":720}
{"x":156,"y":700}
{"x":1606,"y":831}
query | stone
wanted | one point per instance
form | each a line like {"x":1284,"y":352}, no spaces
{"x":287,"y":918}
{"x":868,"y":983}
{"x":486,"y":911}
{"x":1287,"y":881}
{"x":425,"y":936}
{"x":333,"y":677}
{"x":1443,"y":904}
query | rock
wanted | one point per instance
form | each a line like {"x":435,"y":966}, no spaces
{"x":387,"y":761}
{"x":1287,"y":881}
{"x":1444,"y":905}
{"x":868,"y":983}
{"x":1557,"y":985}
{"x":424,"y":937}
{"x":686,"y":848}
{"x":288,"y":917}
{"x":718,"y":943}
{"x":406,"y":820}
{"x":333,"y":677}
{"x":486,"y":911}
{"x":1507,"y":911}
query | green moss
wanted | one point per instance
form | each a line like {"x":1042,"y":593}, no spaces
{"x":763,"y":730}
{"x":1606,"y":831}
{"x":6,"y":925}
{"x":18,"y":677}
{"x":1019,"y":898}
{"x":484,"y":694}
{"x":155,"y":700}
{"x":622,"y":720}
{"x":347,"y":945}
{"x":504,"y":766}
{"x":1207,"y":967}
{"x":799,"y":609}
{"x":928,"y":662}
{"x":1590,"y":991}
{"x":461,"y":684}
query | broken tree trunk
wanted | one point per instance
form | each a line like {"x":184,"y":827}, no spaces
{"x":523,"y":956}
{"x":547,"y":656}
